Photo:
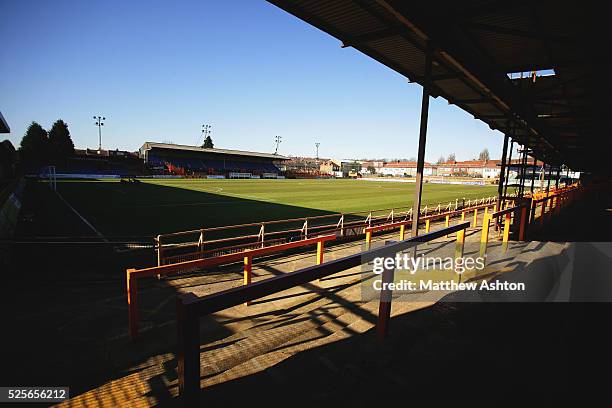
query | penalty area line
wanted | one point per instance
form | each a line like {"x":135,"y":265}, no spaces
{"x":85,"y":221}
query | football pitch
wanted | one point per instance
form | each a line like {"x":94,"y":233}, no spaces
{"x":156,"y":206}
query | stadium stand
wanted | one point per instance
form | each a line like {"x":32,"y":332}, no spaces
{"x":166,"y":158}
{"x":102,"y":163}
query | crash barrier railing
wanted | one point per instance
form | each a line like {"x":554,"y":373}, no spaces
{"x":133,"y":275}
{"x":555,"y":191}
{"x":191,"y":308}
{"x":448,"y":215}
{"x":507,"y":215}
{"x":551,"y":204}
{"x":197,"y":244}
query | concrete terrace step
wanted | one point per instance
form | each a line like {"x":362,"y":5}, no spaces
{"x":258,"y":337}
{"x":342,"y":326}
{"x":322,"y":318}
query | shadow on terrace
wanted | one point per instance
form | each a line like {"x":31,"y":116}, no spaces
{"x":64,"y":294}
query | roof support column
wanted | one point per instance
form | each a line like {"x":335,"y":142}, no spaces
{"x":502,"y":173}
{"x":533,"y":167}
{"x":416,"y":206}
{"x":557,"y":179}
{"x":508,"y":167}
{"x":523,"y":171}
{"x":549,"y":177}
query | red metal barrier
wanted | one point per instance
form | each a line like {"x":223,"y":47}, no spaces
{"x":369,"y":231}
{"x":553,"y":201}
{"x":132,"y":275}
{"x":190,"y":307}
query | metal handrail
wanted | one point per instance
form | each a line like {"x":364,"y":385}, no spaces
{"x":190,"y":307}
{"x":133,"y":275}
{"x":372,"y":218}
{"x":254,"y":224}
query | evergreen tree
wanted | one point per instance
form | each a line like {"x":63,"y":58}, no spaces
{"x":60,"y":142}
{"x":34,"y":146}
{"x":208,"y":143}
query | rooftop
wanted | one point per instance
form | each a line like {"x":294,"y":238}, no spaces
{"x":150,"y":145}
{"x":467,"y":163}
{"x":404,"y":164}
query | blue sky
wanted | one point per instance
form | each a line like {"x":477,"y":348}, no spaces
{"x":158,"y":70}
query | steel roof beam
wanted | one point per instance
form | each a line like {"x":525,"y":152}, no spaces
{"x":513,"y":32}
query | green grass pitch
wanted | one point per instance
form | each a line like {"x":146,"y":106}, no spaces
{"x":167,"y":205}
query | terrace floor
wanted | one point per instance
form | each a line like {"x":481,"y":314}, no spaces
{"x":315,"y":341}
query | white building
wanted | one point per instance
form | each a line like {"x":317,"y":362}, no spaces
{"x":400,"y":169}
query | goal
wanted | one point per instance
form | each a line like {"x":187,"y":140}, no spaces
{"x":50,"y":173}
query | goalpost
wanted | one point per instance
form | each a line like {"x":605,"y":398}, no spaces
{"x":52,"y":178}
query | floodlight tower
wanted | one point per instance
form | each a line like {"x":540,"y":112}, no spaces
{"x":317,"y":144}
{"x":99,"y":122}
{"x":206,"y":130}
{"x":277,"y":140}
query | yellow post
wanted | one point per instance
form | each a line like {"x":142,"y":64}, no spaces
{"x":462,"y":215}
{"x":402,"y":232}
{"x":484,"y":237}
{"x":447,"y":222}
{"x":320,"y":249}
{"x":494,"y":211}
{"x":248,"y":263}
{"x":475,"y":222}
{"x":427,"y":226}
{"x":459,"y":244}
{"x":486,"y":212}
{"x":506,"y":231}
{"x":368,"y":239}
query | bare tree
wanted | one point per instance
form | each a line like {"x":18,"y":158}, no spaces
{"x":484,"y":155}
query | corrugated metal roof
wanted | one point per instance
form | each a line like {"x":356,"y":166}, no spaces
{"x":150,"y":145}
{"x":476,"y":44}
